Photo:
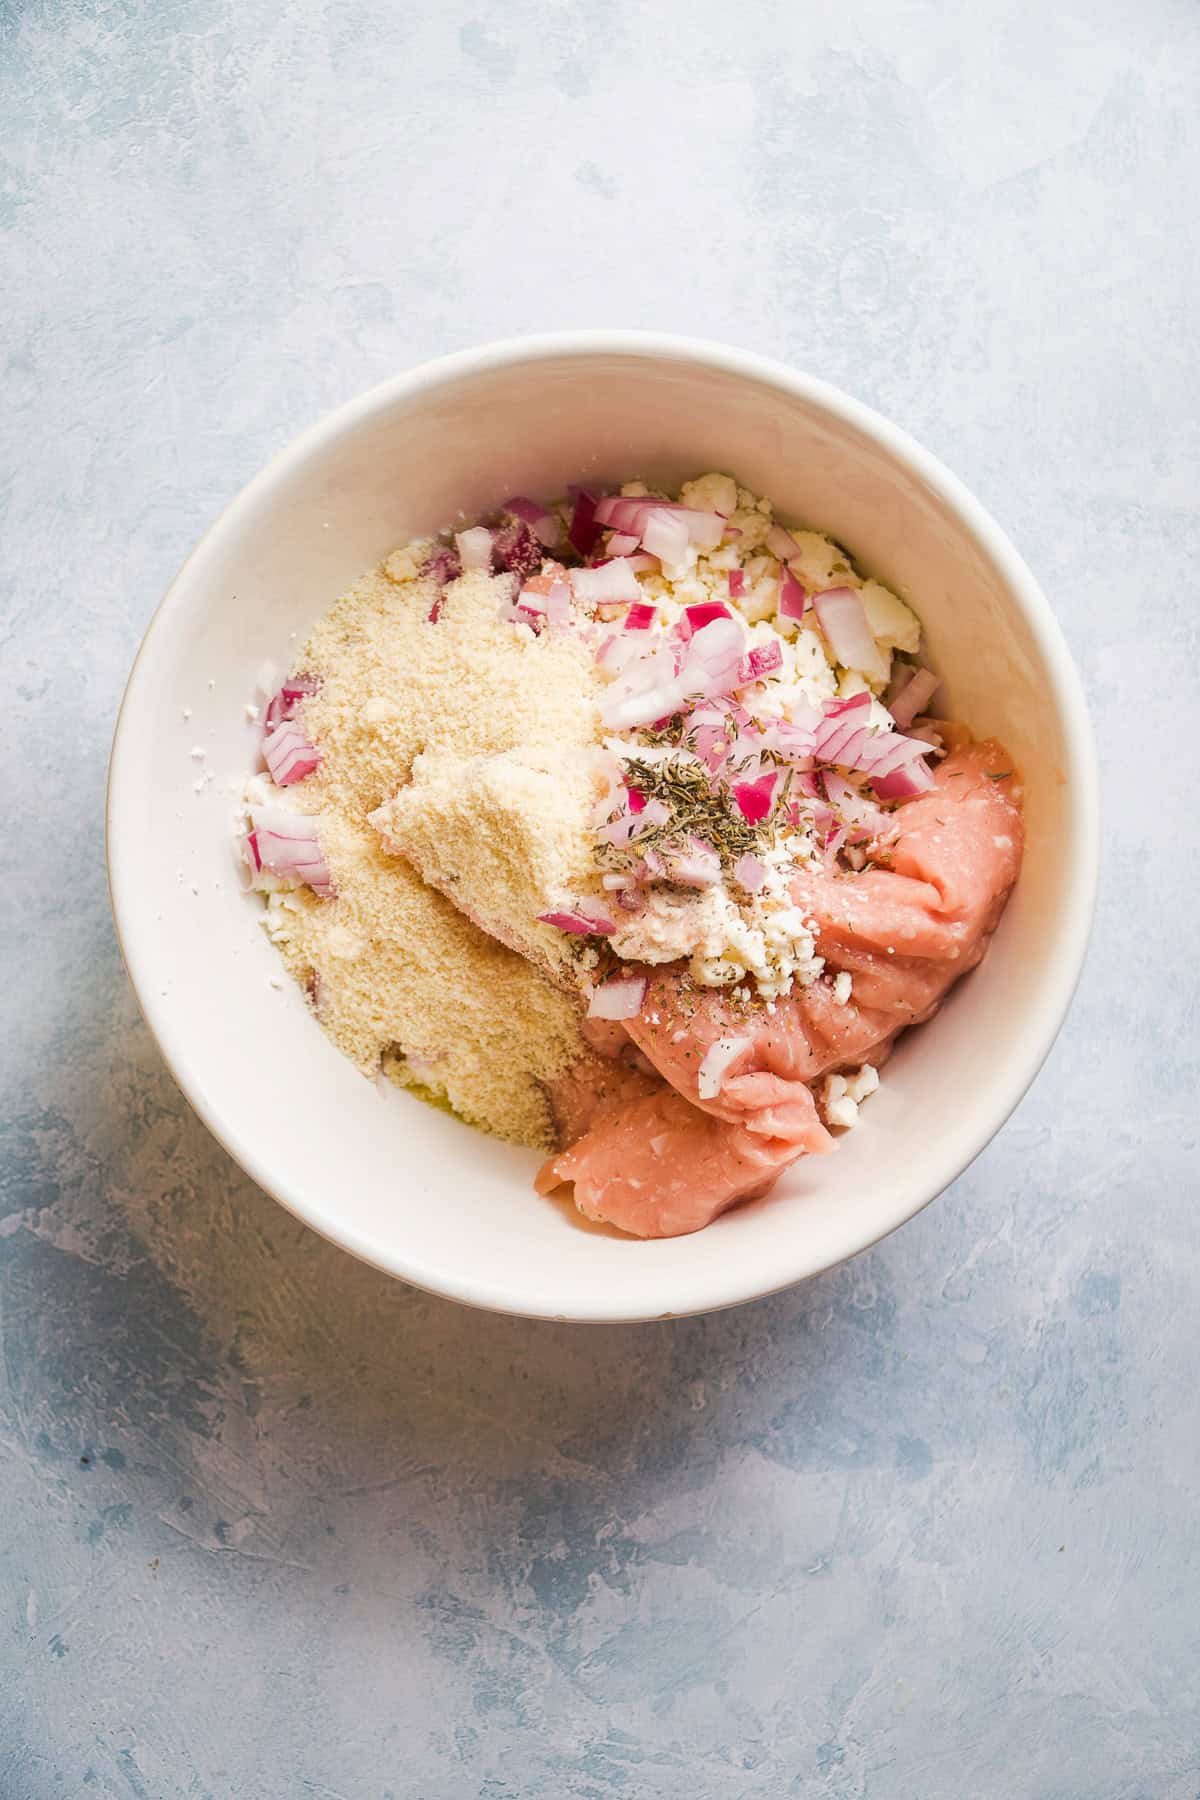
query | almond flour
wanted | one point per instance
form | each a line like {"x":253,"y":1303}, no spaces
{"x":400,"y":978}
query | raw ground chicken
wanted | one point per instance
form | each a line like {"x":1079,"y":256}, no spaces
{"x":622,"y":828}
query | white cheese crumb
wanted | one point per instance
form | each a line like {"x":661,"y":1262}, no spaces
{"x":198,"y":753}
{"x":252,"y":712}
{"x":186,"y":712}
{"x":842,"y":1095}
{"x":843,"y":986}
{"x":863,"y":1084}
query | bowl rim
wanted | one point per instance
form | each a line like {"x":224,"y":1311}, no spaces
{"x":1073,"y":925}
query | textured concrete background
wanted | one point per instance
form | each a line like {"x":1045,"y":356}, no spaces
{"x":271,"y":1526}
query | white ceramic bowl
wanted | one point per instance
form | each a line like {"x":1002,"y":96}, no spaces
{"x":406,"y":1187}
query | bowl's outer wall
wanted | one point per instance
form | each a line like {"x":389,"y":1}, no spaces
{"x":403,"y":1185}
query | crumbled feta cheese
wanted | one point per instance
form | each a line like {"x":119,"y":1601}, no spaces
{"x":406,"y":563}
{"x":842,"y":1095}
{"x":851,"y":681}
{"x":862,"y":1084}
{"x":765,"y":936}
{"x":843,"y":986}
{"x":894,"y":625}
{"x":711,"y":493}
{"x":761,"y":601}
{"x":820,"y":563}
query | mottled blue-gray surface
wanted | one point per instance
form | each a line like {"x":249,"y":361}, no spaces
{"x":271,"y":1526}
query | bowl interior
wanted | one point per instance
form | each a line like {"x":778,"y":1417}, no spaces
{"x":406,"y":1186}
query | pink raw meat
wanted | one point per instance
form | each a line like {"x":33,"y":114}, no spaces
{"x":905,"y":933}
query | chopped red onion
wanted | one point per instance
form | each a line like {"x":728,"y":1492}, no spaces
{"x":845,"y":703}
{"x":704,"y":529}
{"x":648,"y":690}
{"x":793,"y":596}
{"x":283,"y":705}
{"x":286,"y":844}
{"x":737,"y":583}
{"x":843,"y":621}
{"x":288,"y":754}
{"x":620,"y":998}
{"x":843,"y":741}
{"x":715,"y":653}
{"x":612,"y":584}
{"x":618,"y":651}
{"x":750,"y":872}
{"x":625,"y":711}
{"x":698,"y":866}
{"x":914,"y":697}
{"x":621,"y":543}
{"x":543,"y":522}
{"x":435,"y":611}
{"x":710,"y":1077}
{"x":642,"y":563}
{"x":895,"y":764}
{"x":665,"y":536}
{"x":754,"y":797}
{"x":760,"y":661}
{"x":637,"y":800}
{"x":712,"y":745}
{"x":558,"y":604}
{"x":903,"y":784}
{"x":655,"y":688}
{"x":445,"y":565}
{"x":703,"y":613}
{"x":841,"y":793}
{"x":474,"y":547}
{"x":640,"y":617}
{"x":517,"y":550}
{"x":793,"y":742}
{"x":632,"y":822}
{"x":619,"y":510}
{"x":888,"y":751}
{"x":782,"y":544}
{"x":579,"y":923}
{"x":631,"y":513}
{"x":855,"y":807}
{"x":584,"y":530}
{"x":839,"y":719}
